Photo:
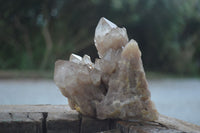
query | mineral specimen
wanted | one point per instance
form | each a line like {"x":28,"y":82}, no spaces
{"x":115,"y":85}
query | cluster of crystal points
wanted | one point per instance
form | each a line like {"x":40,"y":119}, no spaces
{"x":115,"y":85}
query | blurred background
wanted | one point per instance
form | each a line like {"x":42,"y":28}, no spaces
{"x":35,"y":33}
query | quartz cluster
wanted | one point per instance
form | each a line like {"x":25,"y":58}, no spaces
{"x":115,"y":85}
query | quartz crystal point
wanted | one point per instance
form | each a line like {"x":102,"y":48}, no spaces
{"x":115,"y":85}
{"x":108,"y":35}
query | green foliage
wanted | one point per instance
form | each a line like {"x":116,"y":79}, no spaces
{"x":167,"y":32}
{"x":35,"y":33}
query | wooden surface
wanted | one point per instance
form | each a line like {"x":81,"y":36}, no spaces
{"x":61,"y":119}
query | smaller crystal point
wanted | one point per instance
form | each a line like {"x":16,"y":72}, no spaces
{"x":87,"y":61}
{"x":108,"y":35}
{"x":131,"y":50}
{"x":75,"y":58}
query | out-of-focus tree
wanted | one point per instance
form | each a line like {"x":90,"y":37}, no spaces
{"x":35,"y":33}
{"x":166,"y":30}
{"x":21,"y":43}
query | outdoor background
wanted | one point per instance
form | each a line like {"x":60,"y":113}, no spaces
{"x":35,"y":33}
